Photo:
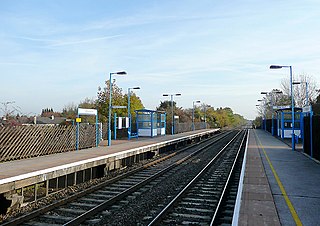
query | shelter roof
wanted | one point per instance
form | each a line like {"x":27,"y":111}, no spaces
{"x":296,"y":109}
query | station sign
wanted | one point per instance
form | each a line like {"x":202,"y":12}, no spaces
{"x":119,"y":106}
{"x":84,"y":111}
{"x":281,"y":107}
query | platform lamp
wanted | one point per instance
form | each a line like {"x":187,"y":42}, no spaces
{"x":258,"y":105}
{"x":271,"y":94}
{"x":171,"y":95}
{"x":292,"y":101}
{"x":205,"y":116}
{"x":110,"y":103}
{"x":193,"y":102}
{"x":265,"y":116}
{"x":129,"y":113}
{"x":307,"y":98}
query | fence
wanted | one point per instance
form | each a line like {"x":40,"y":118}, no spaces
{"x":269,"y":126}
{"x":22,"y":142}
{"x":315,"y":136}
{"x":186,"y":127}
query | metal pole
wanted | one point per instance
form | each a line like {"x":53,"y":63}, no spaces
{"x":205,"y":119}
{"x":151,"y":124}
{"x":129,"y":115}
{"x":77,"y":135}
{"x":115,"y":126}
{"x":311,"y":140}
{"x":97,"y":130}
{"x":307,"y":102}
{"x":172,"y":112}
{"x":282,"y":124}
{"x":193,"y":116}
{"x":292,"y":109}
{"x":109,"y":115}
{"x":265,"y":115}
{"x":272,"y":126}
{"x":172,"y":126}
{"x":278,"y":123}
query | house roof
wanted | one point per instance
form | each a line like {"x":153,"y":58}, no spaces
{"x":49,"y":120}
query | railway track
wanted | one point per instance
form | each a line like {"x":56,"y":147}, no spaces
{"x":102,"y":204}
{"x":205,"y":196}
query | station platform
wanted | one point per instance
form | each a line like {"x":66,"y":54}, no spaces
{"x":280,"y":186}
{"x":21,"y":173}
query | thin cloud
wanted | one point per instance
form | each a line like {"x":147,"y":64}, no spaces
{"x":17,"y":63}
{"x":34,"y":39}
{"x":64,"y":43}
{"x":56,"y":42}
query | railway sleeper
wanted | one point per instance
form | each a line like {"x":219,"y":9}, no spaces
{"x":194,"y":210}
{"x":102,"y":196}
{"x":35,"y":223}
{"x":91,"y":200}
{"x":188,"y":216}
{"x":82,"y":205}
{"x":197,"y":203}
{"x":71,"y":211}
{"x":55,"y":218}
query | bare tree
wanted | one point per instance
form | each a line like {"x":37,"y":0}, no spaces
{"x":271,"y":99}
{"x":9,"y":108}
{"x":306,"y":87}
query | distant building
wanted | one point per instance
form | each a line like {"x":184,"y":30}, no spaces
{"x":52,"y":120}
{"x":36,"y":120}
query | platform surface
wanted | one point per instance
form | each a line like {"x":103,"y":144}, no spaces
{"x":281,"y":186}
{"x":21,"y":169}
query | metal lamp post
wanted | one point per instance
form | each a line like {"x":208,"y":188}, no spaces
{"x":292,"y":101}
{"x":193,"y":102}
{"x":271,"y":94}
{"x":110,"y":103}
{"x":205,"y":118}
{"x":257,"y":105}
{"x":171,"y":95}
{"x":307,"y":104}
{"x":264,"y":115}
{"x":129,"y":112}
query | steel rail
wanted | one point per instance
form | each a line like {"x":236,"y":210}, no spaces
{"x":167,"y":208}
{"x":228,"y":180}
{"x":40,"y":211}
{"x":78,"y":220}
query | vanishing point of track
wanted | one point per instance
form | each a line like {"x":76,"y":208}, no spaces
{"x":205,"y":168}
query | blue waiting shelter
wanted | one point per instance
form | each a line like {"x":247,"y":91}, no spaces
{"x":284,"y":122}
{"x":150,"y":123}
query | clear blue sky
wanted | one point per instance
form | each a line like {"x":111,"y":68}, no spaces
{"x":56,"y":52}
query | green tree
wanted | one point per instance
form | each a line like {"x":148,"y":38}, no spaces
{"x":211,"y":117}
{"x":257,"y":122}
{"x":166,"y":107}
{"x":103,"y":100}
{"x":118,"y":99}
{"x":223,"y":117}
{"x":70,"y":111}
{"x":135,"y":104}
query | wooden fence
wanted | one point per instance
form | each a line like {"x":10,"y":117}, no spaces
{"x":22,"y":142}
{"x":187,"y":126}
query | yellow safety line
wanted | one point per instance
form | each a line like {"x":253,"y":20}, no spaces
{"x":283,"y":191}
